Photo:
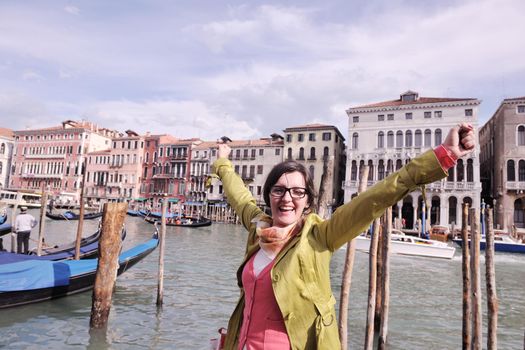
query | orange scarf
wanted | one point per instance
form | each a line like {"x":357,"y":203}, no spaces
{"x":272,"y":239}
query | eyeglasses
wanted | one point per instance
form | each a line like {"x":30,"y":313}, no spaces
{"x":295,"y":192}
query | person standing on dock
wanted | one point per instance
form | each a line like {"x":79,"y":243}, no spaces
{"x":24,"y":223}
{"x":286,"y":298}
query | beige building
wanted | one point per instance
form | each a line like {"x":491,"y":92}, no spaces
{"x":386,"y":135}
{"x":317,"y":146}
{"x":502,"y":141}
{"x":115,"y":174}
{"x":7,"y":142}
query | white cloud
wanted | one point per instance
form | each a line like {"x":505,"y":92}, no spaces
{"x":31,"y":75}
{"x":72,"y":10}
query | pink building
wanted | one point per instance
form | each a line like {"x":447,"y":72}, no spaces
{"x":115,"y":174}
{"x":53,"y":157}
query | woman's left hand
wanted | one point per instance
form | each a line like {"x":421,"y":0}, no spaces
{"x":460,"y":140}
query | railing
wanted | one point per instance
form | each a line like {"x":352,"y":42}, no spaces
{"x":42,"y":176}
{"x":45,"y":156}
{"x":515,"y":185}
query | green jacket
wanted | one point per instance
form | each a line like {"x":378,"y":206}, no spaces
{"x":300,"y":275}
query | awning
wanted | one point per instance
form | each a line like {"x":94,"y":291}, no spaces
{"x":173,"y":200}
{"x":140,"y":199}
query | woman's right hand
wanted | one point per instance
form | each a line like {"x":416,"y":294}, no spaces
{"x":224,"y":150}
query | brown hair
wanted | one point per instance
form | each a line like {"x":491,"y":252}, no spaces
{"x":285,"y":168}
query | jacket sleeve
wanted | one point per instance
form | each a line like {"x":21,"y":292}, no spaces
{"x":237,"y":195}
{"x":354,"y":217}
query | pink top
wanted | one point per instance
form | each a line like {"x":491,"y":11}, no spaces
{"x":263,"y":324}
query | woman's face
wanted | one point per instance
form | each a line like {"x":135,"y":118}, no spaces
{"x":288,"y":199}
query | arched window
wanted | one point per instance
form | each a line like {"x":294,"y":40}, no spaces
{"x":437,"y":137}
{"x":511,"y":170}
{"x":355,"y":140}
{"x":461,"y":170}
{"x":312,"y":171}
{"x":408,"y":138}
{"x":1,"y":167}
{"x":147,"y":157}
{"x":2,"y":148}
{"x":399,"y":164}
{"x":399,"y":139}
{"x":301,"y":153}
{"x":381,"y":170}
{"x":521,"y":170}
{"x":353,"y":175}
{"x":381,"y":140}
{"x":370,"y":170}
{"x":470,"y":170}
{"x":417,"y":139}
{"x":521,"y":136}
{"x":289,"y":153}
{"x":428,"y":138}
{"x":452,"y":205}
{"x":390,"y":139}
{"x":389,"y":167}
{"x":519,"y":213}
{"x":312,"y":153}
{"x":326,"y":152}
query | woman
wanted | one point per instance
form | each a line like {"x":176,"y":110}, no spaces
{"x":286,"y":300}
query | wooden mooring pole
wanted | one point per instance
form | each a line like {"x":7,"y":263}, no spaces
{"x":43,"y":201}
{"x":476,"y":279}
{"x":347,"y":273}
{"x":490,"y":277}
{"x":109,"y":248}
{"x":372,"y":286}
{"x":385,"y":285}
{"x":160,"y":285}
{"x":13,"y":228}
{"x":467,"y":304}
{"x":81,"y":214}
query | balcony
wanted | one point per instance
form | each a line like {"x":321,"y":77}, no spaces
{"x":115,"y":165}
{"x":42,"y":176}
{"x":45,"y":156}
{"x":178,"y":157}
{"x":249,"y":177}
{"x":515,"y":185}
{"x":163,"y":176}
{"x":312,"y":158}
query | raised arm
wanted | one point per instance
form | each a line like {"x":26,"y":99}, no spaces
{"x":237,"y":195}
{"x":353,"y":218}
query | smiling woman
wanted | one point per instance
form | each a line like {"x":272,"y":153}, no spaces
{"x":286,"y":299}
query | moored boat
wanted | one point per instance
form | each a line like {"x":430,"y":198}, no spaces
{"x":502,"y":243}
{"x":26,"y":199}
{"x":69,"y":215}
{"x":402,"y":244}
{"x":182,"y":222}
{"x":32,"y":281}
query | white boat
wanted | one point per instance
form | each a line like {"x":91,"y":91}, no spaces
{"x":26,"y":199}
{"x":409,"y":245}
{"x":502,"y":243}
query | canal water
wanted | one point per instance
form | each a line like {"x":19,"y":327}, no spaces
{"x":200,"y":292}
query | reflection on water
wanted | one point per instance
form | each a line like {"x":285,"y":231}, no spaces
{"x":200,"y":292}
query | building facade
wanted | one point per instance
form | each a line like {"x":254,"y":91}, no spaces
{"x":7,"y":142}
{"x":320,"y":148}
{"x":386,"y":135}
{"x":53,"y":158}
{"x":502,"y":141}
{"x":115,"y":174}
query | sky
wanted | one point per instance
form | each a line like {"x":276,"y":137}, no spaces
{"x":247,"y":69}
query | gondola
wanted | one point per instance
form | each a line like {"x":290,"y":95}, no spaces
{"x":155,"y":214}
{"x":88,"y":248}
{"x":34,"y":280}
{"x":69,"y":215}
{"x":5,"y":228}
{"x":184,"y":222}
{"x":133,"y":213}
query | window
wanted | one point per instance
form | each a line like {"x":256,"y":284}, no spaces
{"x":300,"y":137}
{"x":408,"y":138}
{"x":355,"y":119}
{"x":381,"y":140}
{"x":399,"y":139}
{"x":245,"y":153}
{"x":390,"y":139}
{"x":301,"y":153}
{"x":408,"y":116}
{"x":520,"y":109}
{"x":370,"y":170}
{"x":237,"y":169}
{"x":237,"y":153}
{"x":355,"y":140}
{"x":277,"y":151}
{"x":418,"y":139}
{"x":521,"y":136}
{"x":437,"y":137}
{"x":259,"y":169}
{"x":288,"y":138}
{"x":311,"y":136}
{"x":353,"y":173}
{"x":460,"y":171}
{"x":438,"y":114}
{"x":381,"y":170}
{"x":390,"y":116}
{"x":469,"y":112}
{"x":326,"y":152}
{"x":253,"y":153}
{"x":327,"y":136}
{"x":521,"y":170}
{"x":380,"y":117}
{"x":261,"y":152}
{"x":2,"y":148}
{"x":427,"y":115}
{"x":511,"y":171}
{"x":312,"y":153}
{"x":428,"y":138}
{"x":289,"y":153}
{"x":470,"y":170}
